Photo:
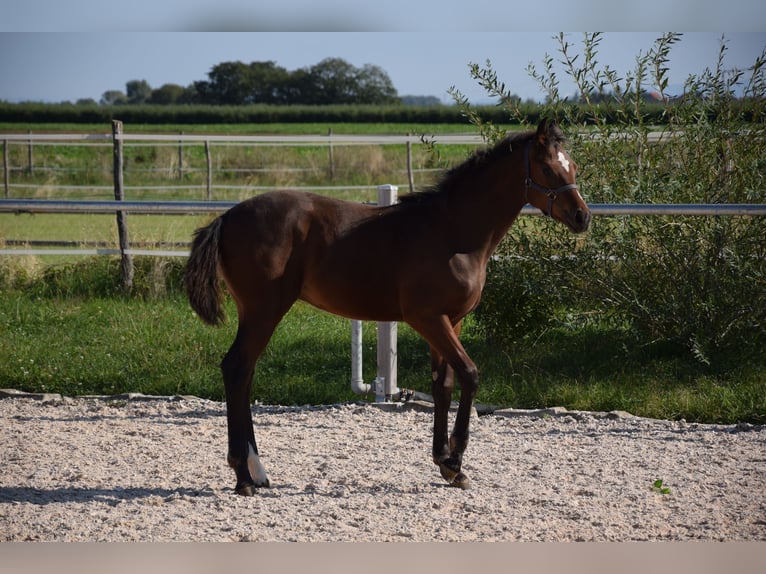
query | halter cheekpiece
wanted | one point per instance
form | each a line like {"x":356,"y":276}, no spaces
{"x":551,"y":194}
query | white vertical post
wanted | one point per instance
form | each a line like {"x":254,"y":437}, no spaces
{"x":357,"y":378}
{"x":385,"y":387}
{"x":385,"y":384}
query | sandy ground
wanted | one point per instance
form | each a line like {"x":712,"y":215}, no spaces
{"x":141,"y":469}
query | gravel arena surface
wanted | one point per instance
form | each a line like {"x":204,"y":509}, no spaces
{"x":154,"y":469}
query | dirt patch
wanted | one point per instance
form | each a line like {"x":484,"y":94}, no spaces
{"x":155,"y":470}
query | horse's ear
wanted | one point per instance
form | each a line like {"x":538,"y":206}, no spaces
{"x":544,"y":130}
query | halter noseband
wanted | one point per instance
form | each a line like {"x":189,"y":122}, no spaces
{"x":551,"y":194}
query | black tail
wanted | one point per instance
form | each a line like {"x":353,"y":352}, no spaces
{"x":203,"y":286}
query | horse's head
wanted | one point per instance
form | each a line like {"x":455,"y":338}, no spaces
{"x":550,"y":178}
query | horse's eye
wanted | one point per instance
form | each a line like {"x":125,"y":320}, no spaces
{"x":547,"y":171}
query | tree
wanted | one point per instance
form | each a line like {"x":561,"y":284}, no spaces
{"x":332,"y":81}
{"x":167,"y":94}
{"x":335,"y":81}
{"x":374,"y":86}
{"x":229,"y":84}
{"x":201,"y":92}
{"x":267,"y":83}
{"x":138,"y":91}
{"x":190,"y":95}
{"x":113,"y":98}
{"x":299,"y":87}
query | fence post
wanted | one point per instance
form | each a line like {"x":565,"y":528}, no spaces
{"x":410,"y":176}
{"x":126,"y":260}
{"x":181,"y":157}
{"x":387,"y":331}
{"x":332,"y":156}
{"x":30,"y":156}
{"x":6,"y":169}
{"x":209,"y":171}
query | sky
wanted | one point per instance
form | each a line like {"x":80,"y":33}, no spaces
{"x":62,"y":51}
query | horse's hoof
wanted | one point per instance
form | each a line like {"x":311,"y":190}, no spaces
{"x":249,"y":488}
{"x":245,"y":489}
{"x":447,"y":473}
{"x":454,"y":477}
{"x":461,"y":481}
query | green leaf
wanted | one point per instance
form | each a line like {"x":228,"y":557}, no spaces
{"x":658,"y":488}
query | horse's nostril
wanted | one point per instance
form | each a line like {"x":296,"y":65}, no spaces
{"x":582,"y":218}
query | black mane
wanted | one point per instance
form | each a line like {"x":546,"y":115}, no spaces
{"x":451,"y":178}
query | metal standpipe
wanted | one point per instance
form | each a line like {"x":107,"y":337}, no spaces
{"x":385,"y":385}
{"x":357,"y":378}
{"x":385,"y":382}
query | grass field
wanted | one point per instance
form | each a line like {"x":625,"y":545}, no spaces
{"x":104,"y":345}
{"x":98,"y":227}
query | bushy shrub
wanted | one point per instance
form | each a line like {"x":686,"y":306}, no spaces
{"x":695,"y":281}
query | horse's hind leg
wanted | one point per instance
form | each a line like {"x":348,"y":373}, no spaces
{"x":237,"y":368}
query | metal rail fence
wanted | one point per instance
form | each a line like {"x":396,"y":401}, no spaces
{"x":210,"y":207}
{"x":329,"y":140}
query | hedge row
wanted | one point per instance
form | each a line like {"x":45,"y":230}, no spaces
{"x":261,"y":114}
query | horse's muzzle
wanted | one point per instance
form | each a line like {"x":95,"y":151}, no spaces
{"x":580,"y":220}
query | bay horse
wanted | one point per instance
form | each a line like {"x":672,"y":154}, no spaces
{"x":422,"y":261}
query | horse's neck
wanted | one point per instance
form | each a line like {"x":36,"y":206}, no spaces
{"x":483,"y":213}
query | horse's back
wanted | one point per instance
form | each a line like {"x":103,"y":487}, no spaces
{"x":276,"y":236}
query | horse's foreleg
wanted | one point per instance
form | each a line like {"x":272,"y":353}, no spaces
{"x":469,"y":384}
{"x":448,"y":358}
{"x":448,"y":455}
{"x":451,"y":465}
{"x":442,"y":383}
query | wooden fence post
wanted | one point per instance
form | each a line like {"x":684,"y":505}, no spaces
{"x":332,"y":156}
{"x":410,"y":175}
{"x":6,"y":169}
{"x":126,"y":260}
{"x":181,"y":157}
{"x":209,"y":171}
{"x":30,"y":156}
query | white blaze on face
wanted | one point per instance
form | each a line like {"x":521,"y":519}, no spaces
{"x":563,"y":161}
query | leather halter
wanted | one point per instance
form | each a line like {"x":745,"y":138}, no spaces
{"x":551,"y":194}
